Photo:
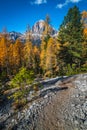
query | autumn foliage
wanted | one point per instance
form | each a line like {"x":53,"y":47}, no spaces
{"x":65,"y":54}
{"x":55,"y":55}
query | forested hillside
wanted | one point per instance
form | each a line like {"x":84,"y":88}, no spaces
{"x":66,"y":54}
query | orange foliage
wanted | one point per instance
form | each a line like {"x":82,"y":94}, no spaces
{"x":28,"y":55}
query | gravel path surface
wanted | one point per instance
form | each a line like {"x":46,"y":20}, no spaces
{"x":60,"y":106}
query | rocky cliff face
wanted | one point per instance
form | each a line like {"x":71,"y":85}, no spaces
{"x":60,"y":105}
{"x":40,"y":26}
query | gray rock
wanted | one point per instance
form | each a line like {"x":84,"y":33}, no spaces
{"x":76,"y":122}
{"x":85,"y":122}
{"x":46,"y":96}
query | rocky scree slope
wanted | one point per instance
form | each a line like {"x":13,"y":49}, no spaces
{"x":60,"y":105}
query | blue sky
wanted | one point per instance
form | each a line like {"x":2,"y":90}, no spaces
{"x":16,"y":14}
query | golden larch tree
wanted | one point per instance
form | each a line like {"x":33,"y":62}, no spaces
{"x":51,"y":58}
{"x":36,"y":59}
{"x":18,"y":54}
{"x":28,"y":55}
{"x":43,"y":56}
{"x":4,"y":48}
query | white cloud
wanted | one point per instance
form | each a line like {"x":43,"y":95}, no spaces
{"x":38,"y":2}
{"x":74,"y":1}
{"x":60,"y":6}
{"x":66,"y":2}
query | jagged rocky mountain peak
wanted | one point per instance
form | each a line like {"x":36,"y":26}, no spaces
{"x":38,"y":27}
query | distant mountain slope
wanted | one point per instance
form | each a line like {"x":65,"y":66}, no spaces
{"x":15,"y":35}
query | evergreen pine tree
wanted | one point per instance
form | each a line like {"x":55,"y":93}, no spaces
{"x":71,"y":32}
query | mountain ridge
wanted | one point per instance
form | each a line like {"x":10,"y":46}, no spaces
{"x":36,"y":32}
